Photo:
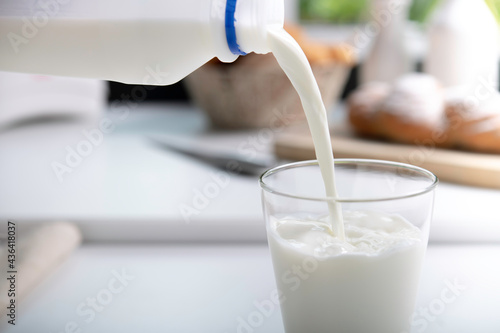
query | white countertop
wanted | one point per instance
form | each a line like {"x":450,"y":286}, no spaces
{"x":206,"y":289}
{"x":128,"y":189}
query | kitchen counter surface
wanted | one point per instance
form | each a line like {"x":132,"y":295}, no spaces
{"x":129,"y":189}
{"x":218,"y":289}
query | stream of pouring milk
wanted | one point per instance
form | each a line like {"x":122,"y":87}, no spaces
{"x":294,"y":63}
{"x":363,"y":266}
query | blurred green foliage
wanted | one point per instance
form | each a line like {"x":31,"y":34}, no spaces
{"x":338,"y":11}
{"x":420,"y":10}
{"x":495,"y":8}
{"x":351,"y":11}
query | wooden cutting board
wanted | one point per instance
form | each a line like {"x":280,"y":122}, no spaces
{"x":460,"y":167}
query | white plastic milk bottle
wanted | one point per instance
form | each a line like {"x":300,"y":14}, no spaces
{"x":464,"y":45}
{"x":156,"y":42}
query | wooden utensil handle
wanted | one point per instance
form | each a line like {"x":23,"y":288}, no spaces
{"x":36,"y":256}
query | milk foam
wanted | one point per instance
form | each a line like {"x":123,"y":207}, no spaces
{"x":367,"y":233}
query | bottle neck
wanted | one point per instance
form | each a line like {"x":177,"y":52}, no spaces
{"x":244,"y":25}
{"x":253,"y":19}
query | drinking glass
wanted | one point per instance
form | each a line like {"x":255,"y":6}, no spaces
{"x":348,"y":292}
